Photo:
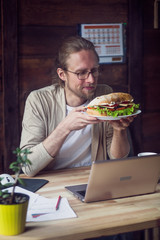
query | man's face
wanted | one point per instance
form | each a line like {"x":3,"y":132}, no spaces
{"x":81,"y":62}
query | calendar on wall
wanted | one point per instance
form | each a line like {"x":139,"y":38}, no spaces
{"x":108,"y":40}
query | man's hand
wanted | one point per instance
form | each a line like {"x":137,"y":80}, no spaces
{"x":120,"y":146}
{"x":77,"y":119}
{"x":121,"y":124}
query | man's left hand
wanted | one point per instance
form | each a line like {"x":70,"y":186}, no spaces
{"x":121,"y":124}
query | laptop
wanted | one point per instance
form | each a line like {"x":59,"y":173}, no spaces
{"x":110,"y":179}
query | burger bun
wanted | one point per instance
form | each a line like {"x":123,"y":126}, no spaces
{"x":112,"y":98}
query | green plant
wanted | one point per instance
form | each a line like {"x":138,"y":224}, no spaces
{"x":22,"y":161}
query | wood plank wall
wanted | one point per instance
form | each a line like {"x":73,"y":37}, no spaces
{"x":135,"y":33}
{"x":151,"y":81}
{"x":42,"y":25}
{"x":1,"y":102}
{"x":11,"y":130}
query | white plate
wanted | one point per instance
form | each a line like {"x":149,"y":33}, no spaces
{"x":114,"y":118}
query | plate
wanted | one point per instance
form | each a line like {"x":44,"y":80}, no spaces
{"x":114,"y":118}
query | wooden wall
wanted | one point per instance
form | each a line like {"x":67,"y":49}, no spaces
{"x":31,"y":33}
{"x":151,"y":81}
{"x":43,"y":25}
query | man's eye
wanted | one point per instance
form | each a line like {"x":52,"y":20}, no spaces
{"x":94,"y":70}
{"x":82,"y":73}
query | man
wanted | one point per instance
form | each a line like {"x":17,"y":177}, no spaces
{"x":55,"y":126}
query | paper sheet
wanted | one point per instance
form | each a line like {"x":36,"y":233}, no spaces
{"x":44,"y":209}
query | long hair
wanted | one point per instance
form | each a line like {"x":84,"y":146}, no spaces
{"x":71,"y":45}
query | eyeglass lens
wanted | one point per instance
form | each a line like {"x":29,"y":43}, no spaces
{"x":85,"y":74}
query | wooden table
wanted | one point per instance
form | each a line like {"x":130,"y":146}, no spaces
{"x":94,"y":219}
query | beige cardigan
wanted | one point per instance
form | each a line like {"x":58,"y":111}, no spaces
{"x":44,"y":109}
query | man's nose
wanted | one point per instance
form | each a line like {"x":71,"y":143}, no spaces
{"x":90,"y":78}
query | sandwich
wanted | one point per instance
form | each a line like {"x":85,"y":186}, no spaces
{"x":113,"y":104}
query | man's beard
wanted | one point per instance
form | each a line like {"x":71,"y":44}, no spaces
{"x":79,"y":92}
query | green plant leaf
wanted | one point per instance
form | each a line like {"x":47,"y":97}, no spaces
{"x":5,"y":195}
{"x":21,"y":181}
{"x":8,"y":185}
{"x":13,"y":164}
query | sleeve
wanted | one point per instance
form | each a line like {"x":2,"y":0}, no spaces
{"x":109,"y":135}
{"x":33,"y":134}
{"x":108,"y":127}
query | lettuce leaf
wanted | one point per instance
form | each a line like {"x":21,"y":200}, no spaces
{"x":126,"y":111}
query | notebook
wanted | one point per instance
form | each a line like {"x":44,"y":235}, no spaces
{"x":33,"y":185}
{"x":110,"y":179}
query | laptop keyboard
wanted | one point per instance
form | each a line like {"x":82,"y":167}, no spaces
{"x":82,"y":193}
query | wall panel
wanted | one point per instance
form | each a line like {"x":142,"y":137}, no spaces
{"x":151,"y":82}
{"x":40,"y":41}
{"x":151,"y":132}
{"x":10,"y":124}
{"x":71,"y":12}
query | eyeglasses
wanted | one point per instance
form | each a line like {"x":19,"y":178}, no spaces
{"x":83,"y":75}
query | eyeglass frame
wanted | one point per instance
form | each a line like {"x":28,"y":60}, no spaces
{"x":87,"y":72}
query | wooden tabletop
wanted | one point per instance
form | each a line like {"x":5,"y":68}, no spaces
{"x":94,"y":219}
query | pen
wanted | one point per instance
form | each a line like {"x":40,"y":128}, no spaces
{"x":58,"y":202}
{"x":35,"y":215}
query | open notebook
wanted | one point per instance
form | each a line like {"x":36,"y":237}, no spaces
{"x":118,"y":178}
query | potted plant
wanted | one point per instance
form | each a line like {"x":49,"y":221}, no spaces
{"x":13,"y":206}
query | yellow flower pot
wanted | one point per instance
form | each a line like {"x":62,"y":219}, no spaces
{"x":13,"y":217}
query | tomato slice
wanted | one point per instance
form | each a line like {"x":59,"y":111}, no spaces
{"x":90,"y":107}
{"x":120,"y":108}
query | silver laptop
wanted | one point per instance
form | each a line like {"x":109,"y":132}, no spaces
{"x":118,"y":178}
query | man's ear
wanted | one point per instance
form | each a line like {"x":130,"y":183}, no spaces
{"x":61,"y":74}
